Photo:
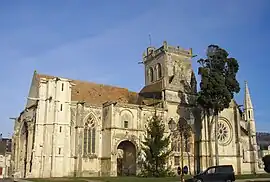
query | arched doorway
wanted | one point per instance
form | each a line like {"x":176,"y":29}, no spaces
{"x":126,"y":159}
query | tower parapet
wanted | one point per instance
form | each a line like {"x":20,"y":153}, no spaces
{"x":152,"y":52}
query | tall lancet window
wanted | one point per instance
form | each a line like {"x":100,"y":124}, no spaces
{"x":151,"y":74}
{"x":158,"y":71}
{"x":89,"y":146}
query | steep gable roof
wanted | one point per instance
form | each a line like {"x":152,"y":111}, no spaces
{"x":98,"y":94}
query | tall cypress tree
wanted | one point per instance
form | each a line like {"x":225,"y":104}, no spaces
{"x":218,"y":85}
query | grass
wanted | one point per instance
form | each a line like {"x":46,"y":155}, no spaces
{"x":109,"y":179}
{"x":135,"y":179}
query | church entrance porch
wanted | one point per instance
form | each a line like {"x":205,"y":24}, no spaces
{"x":126,"y":159}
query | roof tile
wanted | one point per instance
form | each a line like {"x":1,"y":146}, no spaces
{"x":94,"y":93}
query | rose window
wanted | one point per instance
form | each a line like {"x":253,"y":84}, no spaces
{"x":223,"y":132}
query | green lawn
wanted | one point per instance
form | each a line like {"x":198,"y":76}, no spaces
{"x":110,"y":179}
{"x":135,"y":179}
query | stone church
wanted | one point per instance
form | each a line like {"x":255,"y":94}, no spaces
{"x":77,"y":128}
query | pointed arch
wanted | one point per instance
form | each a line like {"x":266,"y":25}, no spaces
{"x":89,"y":134}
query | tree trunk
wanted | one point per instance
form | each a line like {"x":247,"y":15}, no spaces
{"x":210,"y":163}
{"x":182,"y":157}
{"x":216,"y":139}
{"x":189,"y":166}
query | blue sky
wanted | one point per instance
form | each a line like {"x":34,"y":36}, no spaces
{"x":103,"y":41}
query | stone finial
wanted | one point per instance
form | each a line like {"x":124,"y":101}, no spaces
{"x":165,"y":45}
{"x":144,"y":54}
{"x":190,"y":51}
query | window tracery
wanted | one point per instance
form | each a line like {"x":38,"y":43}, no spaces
{"x":176,"y":145}
{"x":89,"y":136}
{"x":224,"y":133}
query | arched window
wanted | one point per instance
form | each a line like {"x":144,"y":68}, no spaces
{"x":89,"y":146}
{"x":187,"y":145}
{"x":151,"y":74}
{"x":158,"y":71}
{"x":125,"y":124}
{"x":176,"y":145}
{"x":126,"y":119}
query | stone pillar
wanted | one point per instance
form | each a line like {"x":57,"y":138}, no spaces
{"x":79,"y":139}
{"x":16,"y":153}
{"x":80,"y":151}
{"x":113,"y":171}
{"x":29,"y":149}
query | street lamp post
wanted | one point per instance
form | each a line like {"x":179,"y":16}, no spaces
{"x":182,"y":129}
{"x":175,"y":131}
{"x":172,"y":125}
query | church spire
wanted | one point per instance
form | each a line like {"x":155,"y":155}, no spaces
{"x":251,"y":128}
{"x":247,"y":100}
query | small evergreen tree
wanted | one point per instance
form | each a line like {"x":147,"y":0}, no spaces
{"x":218,"y":85}
{"x":156,"y":149}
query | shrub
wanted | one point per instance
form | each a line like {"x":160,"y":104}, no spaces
{"x":266,"y":161}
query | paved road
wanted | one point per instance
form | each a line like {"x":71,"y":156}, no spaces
{"x":6,"y":180}
{"x":10,"y":180}
{"x":254,"y":180}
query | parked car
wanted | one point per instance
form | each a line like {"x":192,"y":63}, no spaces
{"x":223,"y":173}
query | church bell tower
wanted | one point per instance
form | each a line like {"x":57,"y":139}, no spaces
{"x":168,"y":71}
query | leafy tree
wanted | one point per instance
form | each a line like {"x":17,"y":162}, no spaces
{"x":155,"y":149}
{"x":266,"y":161}
{"x":218,"y":85}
